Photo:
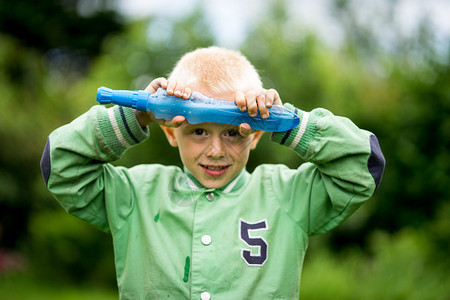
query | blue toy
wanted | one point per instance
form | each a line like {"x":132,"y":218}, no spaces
{"x":198,"y":109}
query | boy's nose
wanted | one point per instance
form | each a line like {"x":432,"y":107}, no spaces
{"x":215,"y":149}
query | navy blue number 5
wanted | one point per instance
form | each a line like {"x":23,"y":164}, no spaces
{"x":259,"y":258}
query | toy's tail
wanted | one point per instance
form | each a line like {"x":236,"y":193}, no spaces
{"x":135,"y":99}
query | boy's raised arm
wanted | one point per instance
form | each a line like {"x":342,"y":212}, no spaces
{"x":74,"y":162}
{"x":345,"y":166}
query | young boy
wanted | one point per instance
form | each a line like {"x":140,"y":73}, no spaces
{"x":212,"y":230}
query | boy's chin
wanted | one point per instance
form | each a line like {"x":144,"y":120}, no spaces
{"x":214,"y":185}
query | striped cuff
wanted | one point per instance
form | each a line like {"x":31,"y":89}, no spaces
{"x":300,"y":137}
{"x":120,"y":128}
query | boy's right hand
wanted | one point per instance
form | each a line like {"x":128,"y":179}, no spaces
{"x":172,"y":88}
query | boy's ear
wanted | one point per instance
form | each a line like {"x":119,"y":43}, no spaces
{"x":256,"y":137}
{"x":169,"y":132}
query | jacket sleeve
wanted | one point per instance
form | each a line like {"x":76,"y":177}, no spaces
{"x":344,"y":165}
{"x":75,"y":162}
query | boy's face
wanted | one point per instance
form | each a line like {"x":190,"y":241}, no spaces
{"x":213,"y":152}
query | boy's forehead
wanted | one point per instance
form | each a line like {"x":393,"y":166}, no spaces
{"x":208,"y":92}
{"x":220,"y":126}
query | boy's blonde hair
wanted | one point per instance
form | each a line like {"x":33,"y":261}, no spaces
{"x":218,"y":69}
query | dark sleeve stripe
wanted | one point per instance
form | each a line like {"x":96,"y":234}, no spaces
{"x":127,"y":127}
{"x":376,"y":161}
{"x":288,"y":133}
{"x":45,"y":162}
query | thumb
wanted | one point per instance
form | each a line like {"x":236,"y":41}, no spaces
{"x":245,"y":130}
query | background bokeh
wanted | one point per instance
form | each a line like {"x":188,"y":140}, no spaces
{"x":396,"y":83}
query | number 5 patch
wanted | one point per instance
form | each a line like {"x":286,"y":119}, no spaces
{"x":245,"y":229}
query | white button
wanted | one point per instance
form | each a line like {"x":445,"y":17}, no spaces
{"x":205,"y":296}
{"x":206,"y":240}
{"x":210,"y":196}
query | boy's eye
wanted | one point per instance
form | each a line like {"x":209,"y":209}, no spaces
{"x":232,"y":133}
{"x":199,"y":132}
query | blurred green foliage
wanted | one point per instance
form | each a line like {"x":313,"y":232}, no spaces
{"x":406,"y":265}
{"x":75,"y":26}
{"x":25,"y":287}
{"x":394,"y":247}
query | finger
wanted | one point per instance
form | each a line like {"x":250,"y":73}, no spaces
{"x":261,"y":100}
{"x":187,"y":93}
{"x":179,"y":90}
{"x":270,"y":97}
{"x":245,"y":130}
{"x":177,"y":121}
{"x":239,"y":98}
{"x":251,"y":104}
{"x":276,"y":98}
{"x":156,"y":84}
{"x":171,"y":85}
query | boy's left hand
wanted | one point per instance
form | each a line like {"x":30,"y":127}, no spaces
{"x":255,"y":101}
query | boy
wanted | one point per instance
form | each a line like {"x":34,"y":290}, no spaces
{"x":212,"y":230}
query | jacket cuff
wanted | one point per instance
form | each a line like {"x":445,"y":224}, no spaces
{"x":298,"y":138}
{"x":120,"y":128}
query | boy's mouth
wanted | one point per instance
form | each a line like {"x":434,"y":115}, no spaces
{"x":214,"y":171}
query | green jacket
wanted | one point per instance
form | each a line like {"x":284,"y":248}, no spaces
{"x":175,"y":239}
